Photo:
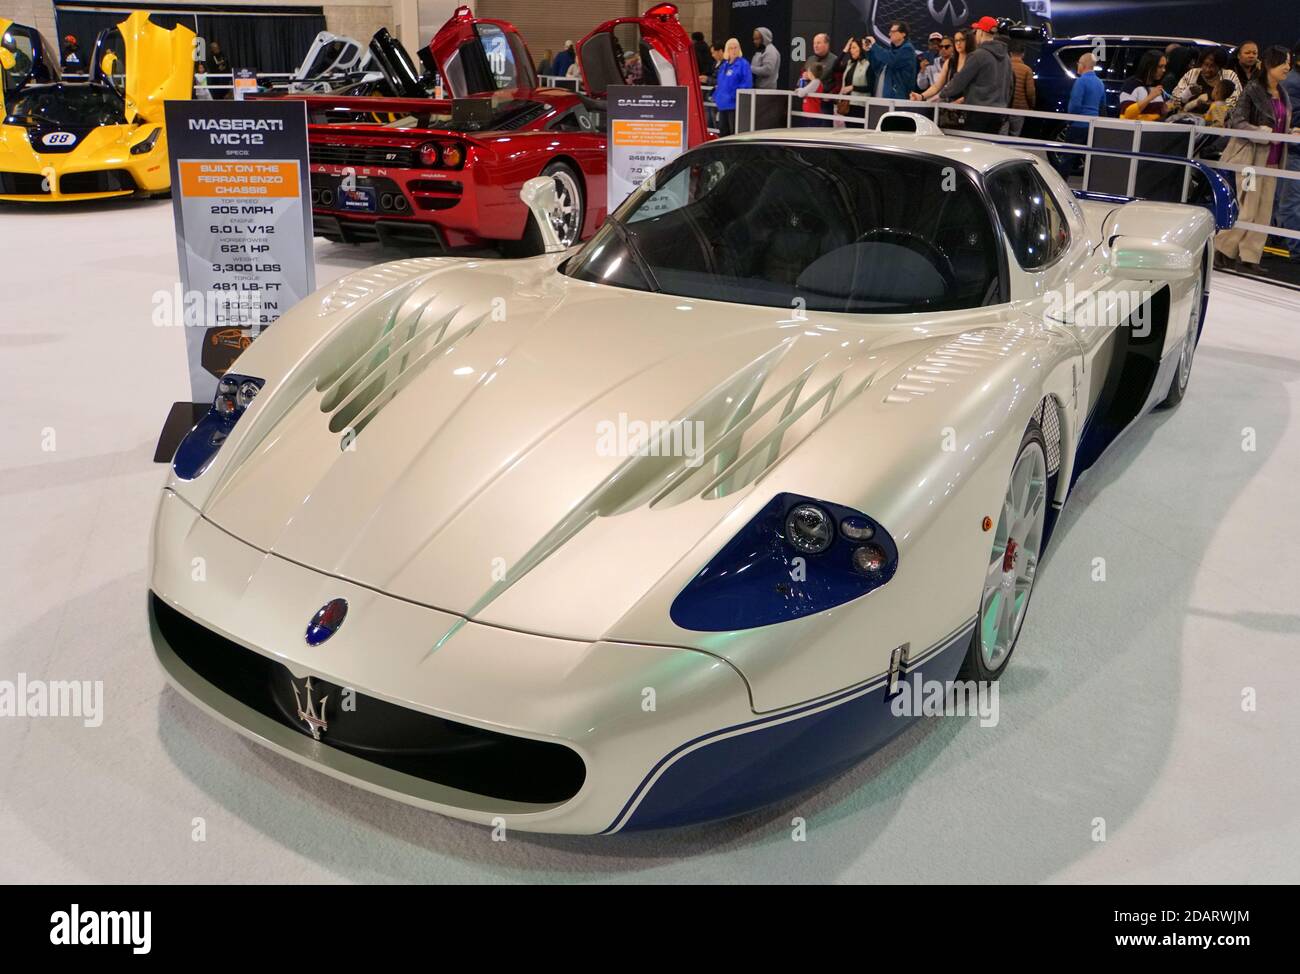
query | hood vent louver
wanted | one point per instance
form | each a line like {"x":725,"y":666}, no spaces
{"x":963,"y":356}
{"x":725,"y":461}
{"x":408,"y":340}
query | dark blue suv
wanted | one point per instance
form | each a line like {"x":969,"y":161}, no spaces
{"x":1053,"y":60}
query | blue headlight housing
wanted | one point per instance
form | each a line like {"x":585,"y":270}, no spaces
{"x":797,"y":556}
{"x":234,"y":395}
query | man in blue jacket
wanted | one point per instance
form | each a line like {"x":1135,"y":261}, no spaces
{"x":563,"y":61}
{"x":1087,"y":97}
{"x":896,"y":65}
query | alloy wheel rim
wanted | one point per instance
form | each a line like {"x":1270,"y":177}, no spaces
{"x":566,"y":215}
{"x":1013,"y":562}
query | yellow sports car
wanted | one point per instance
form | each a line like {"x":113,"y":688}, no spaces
{"x":100,"y":138}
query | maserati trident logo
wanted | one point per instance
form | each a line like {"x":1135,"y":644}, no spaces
{"x":326,"y":621}
{"x":317,"y":723}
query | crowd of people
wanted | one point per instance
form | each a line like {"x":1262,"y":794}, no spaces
{"x":74,"y":62}
{"x":974,"y":67}
{"x":978,"y":68}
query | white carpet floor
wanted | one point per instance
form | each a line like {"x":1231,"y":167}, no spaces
{"x":1124,"y":702}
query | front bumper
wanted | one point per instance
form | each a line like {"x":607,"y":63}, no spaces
{"x":564,"y":733}
{"x":72,"y":180}
{"x":100,"y":166}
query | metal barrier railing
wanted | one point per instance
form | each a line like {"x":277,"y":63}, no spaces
{"x":1107,"y":148}
{"x":560,"y":81}
{"x":261,"y":76}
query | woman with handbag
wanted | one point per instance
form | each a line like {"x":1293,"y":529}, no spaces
{"x":857,"y":79}
{"x":1264,"y":106}
{"x":963,"y":43}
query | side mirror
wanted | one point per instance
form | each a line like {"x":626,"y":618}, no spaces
{"x":1148,"y":259}
{"x":7,"y":59}
{"x":539,"y":196}
{"x":106,"y":64}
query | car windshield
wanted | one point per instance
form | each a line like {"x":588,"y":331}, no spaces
{"x":804,"y":226}
{"x":73,"y":106}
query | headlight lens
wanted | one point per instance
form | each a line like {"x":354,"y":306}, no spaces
{"x":857,"y":529}
{"x":234,"y":394}
{"x":225,"y":400}
{"x":788,"y":561}
{"x":248,"y":390}
{"x":809,"y":529}
{"x":140,"y":148}
{"x":869,"y":558}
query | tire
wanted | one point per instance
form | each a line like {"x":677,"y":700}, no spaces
{"x":1183,"y":374}
{"x":569,"y":184}
{"x":1023,"y":513}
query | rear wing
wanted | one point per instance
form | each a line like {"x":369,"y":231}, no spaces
{"x":1217,"y":196}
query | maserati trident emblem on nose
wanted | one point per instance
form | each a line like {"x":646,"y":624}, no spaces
{"x":326,"y":621}
{"x":317,"y":723}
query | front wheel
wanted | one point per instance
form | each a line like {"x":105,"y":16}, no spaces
{"x":1013,"y":562}
{"x":1183,"y":374}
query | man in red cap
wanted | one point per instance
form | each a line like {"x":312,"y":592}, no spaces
{"x":986,"y":79}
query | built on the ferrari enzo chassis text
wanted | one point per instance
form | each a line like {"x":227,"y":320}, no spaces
{"x":438,"y":569}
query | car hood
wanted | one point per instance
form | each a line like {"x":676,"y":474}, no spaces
{"x":20,"y":155}
{"x":469,"y":440}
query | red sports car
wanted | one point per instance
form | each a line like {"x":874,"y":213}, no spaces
{"x":447,"y":171}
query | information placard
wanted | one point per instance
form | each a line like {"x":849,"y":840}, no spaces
{"x":240,"y":190}
{"x":647,"y":129}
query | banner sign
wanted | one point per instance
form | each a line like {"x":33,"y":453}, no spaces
{"x":243,"y":81}
{"x":240,"y":189}
{"x":647,"y":130}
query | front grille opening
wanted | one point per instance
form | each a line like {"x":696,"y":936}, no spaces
{"x":446,"y":752}
{"x":22,"y":184}
{"x":102,"y":181}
